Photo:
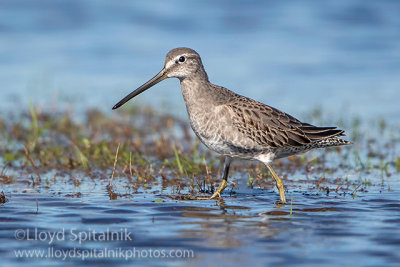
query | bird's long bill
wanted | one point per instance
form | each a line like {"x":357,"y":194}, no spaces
{"x":162,"y":75}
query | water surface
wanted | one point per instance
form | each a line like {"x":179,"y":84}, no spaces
{"x":246,"y":227}
{"x":341,"y":56}
{"x":295,"y":55}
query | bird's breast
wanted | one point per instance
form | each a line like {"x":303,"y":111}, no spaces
{"x":214,"y":127}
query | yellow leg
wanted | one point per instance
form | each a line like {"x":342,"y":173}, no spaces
{"x":279,"y":184}
{"x":221,"y":188}
{"x":224,"y":182}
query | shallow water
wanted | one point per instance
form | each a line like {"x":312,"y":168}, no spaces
{"x":340,"y":55}
{"x":246,"y":226}
{"x":295,"y":55}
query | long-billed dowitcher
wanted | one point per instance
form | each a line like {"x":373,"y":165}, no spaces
{"x":236,"y":126}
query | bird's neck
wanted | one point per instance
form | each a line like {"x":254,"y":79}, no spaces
{"x":196,"y":87}
{"x":197,"y":93}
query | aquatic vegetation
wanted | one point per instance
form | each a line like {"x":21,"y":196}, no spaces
{"x":152,"y":168}
{"x":3,"y":198}
{"x":147,"y":149}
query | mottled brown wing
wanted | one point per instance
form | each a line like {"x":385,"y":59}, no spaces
{"x":271,"y":127}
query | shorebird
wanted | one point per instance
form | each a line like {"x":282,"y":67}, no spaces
{"x":236,"y":126}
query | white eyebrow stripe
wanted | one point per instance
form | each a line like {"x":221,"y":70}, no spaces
{"x":169,"y":64}
{"x":172,"y":62}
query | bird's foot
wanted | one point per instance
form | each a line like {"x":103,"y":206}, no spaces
{"x":221,"y":188}
{"x":282,"y":195}
{"x":279,"y":185}
{"x":280,"y":204}
{"x":217,"y":193}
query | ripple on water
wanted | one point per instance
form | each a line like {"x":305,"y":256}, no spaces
{"x":12,"y":219}
{"x":387,"y":239}
{"x":67,"y":215}
{"x":275,"y":213}
{"x":119,"y":211}
{"x":176,"y":208}
{"x":211,"y":229}
{"x":104,"y":220}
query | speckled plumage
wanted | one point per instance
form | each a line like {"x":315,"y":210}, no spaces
{"x":236,"y":126}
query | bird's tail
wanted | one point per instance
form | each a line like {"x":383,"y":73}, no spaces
{"x":332,"y":141}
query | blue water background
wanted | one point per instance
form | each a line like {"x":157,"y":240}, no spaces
{"x":342,"y":56}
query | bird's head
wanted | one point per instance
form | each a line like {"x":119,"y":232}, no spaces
{"x":179,"y":63}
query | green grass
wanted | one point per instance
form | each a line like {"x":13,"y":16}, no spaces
{"x":35,"y":128}
{"x":291,"y":205}
{"x":152,"y":149}
{"x":178,"y":161}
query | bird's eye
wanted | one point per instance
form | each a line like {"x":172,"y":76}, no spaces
{"x":182,"y":59}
